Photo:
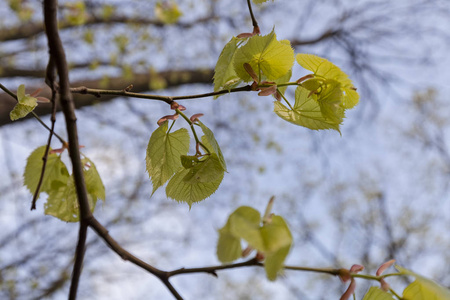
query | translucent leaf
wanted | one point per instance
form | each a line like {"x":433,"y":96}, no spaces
{"x":266,"y":56}
{"x":327,"y":70}
{"x":167,"y":12}
{"x":55,"y":171}
{"x":307,"y":112}
{"x":24,"y":106}
{"x":62,"y":201}
{"x":244,"y":223}
{"x":94,"y":184}
{"x":423,"y":288}
{"x":329,"y":97}
{"x":228,"y":247}
{"x":259,"y":1}
{"x":188,"y":161}
{"x":284,"y":79}
{"x":206,"y":170}
{"x":375,"y":293}
{"x":163,"y":154}
{"x":190,"y":192}
{"x":224,"y":75}
{"x":277,"y":242}
{"x":211,"y":140}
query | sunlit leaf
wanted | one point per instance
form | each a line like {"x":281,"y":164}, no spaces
{"x":190,"y":192}
{"x":206,"y":170}
{"x":163,"y":154}
{"x":277,"y":243}
{"x":94,"y":184}
{"x":267,"y":57}
{"x":375,"y":293}
{"x":307,"y":112}
{"x":259,"y":1}
{"x":244,"y":223}
{"x":211,"y":140}
{"x":24,"y":106}
{"x":55,"y":171}
{"x":228,"y":247}
{"x":423,"y":288}
{"x":224,"y":75}
{"x":327,"y":70}
{"x":62,"y":201}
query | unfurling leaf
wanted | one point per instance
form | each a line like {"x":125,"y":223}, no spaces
{"x":323,"y":69}
{"x":272,"y":239}
{"x":266,"y":55}
{"x":259,"y":1}
{"x":310,"y":113}
{"x":163,"y":154}
{"x":423,"y":288}
{"x":24,"y":106}
{"x":224,"y":75}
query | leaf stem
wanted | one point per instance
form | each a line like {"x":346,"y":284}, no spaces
{"x":254,"y":22}
{"x":282,"y":96}
{"x":191,"y":124}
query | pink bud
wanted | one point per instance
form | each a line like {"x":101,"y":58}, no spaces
{"x":174,"y":105}
{"x":301,"y":79}
{"x":36,"y":92}
{"x":181,"y":108}
{"x":246,"y":251}
{"x":250,"y":71}
{"x":260,"y":256}
{"x":244,"y":35}
{"x":384,"y":266}
{"x":165,"y":118}
{"x":194,"y":117}
{"x":350,"y":290}
{"x":384,"y":285}
{"x":356,"y":268}
{"x":268,"y":91}
{"x":42,"y":100}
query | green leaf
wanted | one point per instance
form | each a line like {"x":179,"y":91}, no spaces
{"x":94,"y":184}
{"x":267,"y":56}
{"x":55,"y":171}
{"x":206,"y":170}
{"x":283,"y":79}
{"x":423,"y":288}
{"x":307,"y":112}
{"x":167,"y":12}
{"x":211,"y":140}
{"x":224,"y":75}
{"x":228,"y":247}
{"x":163,"y":154}
{"x":259,"y":1}
{"x":62,"y":201}
{"x":24,"y":106}
{"x":375,"y":293}
{"x":325,"y":69}
{"x":277,"y":242}
{"x":192,"y":191}
{"x":243,"y":223}
{"x":188,"y":161}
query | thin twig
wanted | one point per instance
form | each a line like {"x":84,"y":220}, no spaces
{"x":50,"y":79}
{"x":254,"y":22}
{"x":167,"y":99}
{"x":57,"y":54}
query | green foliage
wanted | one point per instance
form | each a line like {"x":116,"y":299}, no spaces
{"x":225,"y":76}
{"x":76,"y":13}
{"x":167,"y":12}
{"x":24,"y":106}
{"x":163,"y":154}
{"x":55,"y":171}
{"x":271,"y":238}
{"x":259,"y":1}
{"x":325,"y":70}
{"x":307,"y":112}
{"x":375,"y":293}
{"x":62,"y":200}
{"x":211,"y":140}
{"x":266,"y":55}
{"x":423,"y":288}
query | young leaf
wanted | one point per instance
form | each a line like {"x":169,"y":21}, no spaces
{"x":206,"y":170}
{"x":163,"y":154}
{"x":62,"y":201}
{"x":94,"y":184}
{"x":277,"y":241}
{"x":423,"y":288}
{"x":325,"y":69}
{"x":188,"y":161}
{"x":228,"y":247}
{"x":243,"y":223}
{"x":224,"y":75}
{"x":24,"y":106}
{"x":259,"y":1}
{"x":267,"y":57}
{"x":307,"y":112}
{"x":375,"y":293}
{"x":55,"y":171}
{"x":192,"y":191}
{"x":211,"y":140}
{"x":283,"y":79}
